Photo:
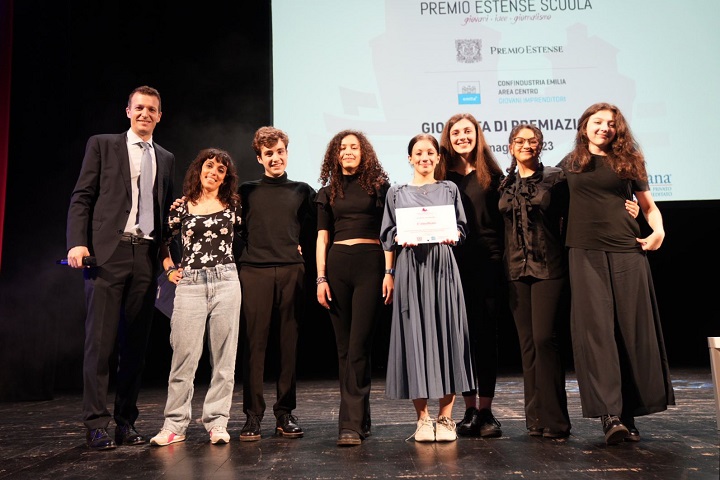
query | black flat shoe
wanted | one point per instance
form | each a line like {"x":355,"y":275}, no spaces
{"x":288,"y":427}
{"x":348,"y":438}
{"x":127,"y":435}
{"x":615,"y":431}
{"x":98,"y":439}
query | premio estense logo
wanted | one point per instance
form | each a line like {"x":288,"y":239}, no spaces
{"x":468,"y":50}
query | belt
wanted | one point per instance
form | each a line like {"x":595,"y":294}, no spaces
{"x":135,"y":240}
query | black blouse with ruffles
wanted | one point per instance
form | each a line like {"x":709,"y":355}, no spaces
{"x":534,"y":209}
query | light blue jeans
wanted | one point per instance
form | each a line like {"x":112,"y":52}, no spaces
{"x":207,"y":305}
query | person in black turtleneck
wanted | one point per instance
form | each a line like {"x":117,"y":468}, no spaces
{"x":352,"y":268}
{"x":272,"y":272}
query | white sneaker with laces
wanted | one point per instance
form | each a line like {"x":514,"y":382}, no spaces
{"x":166,"y":437}
{"x":219,"y":435}
{"x":425,"y":431}
{"x":445,"y":430}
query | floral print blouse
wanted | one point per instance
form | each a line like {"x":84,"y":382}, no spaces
{"x":207,"y":240}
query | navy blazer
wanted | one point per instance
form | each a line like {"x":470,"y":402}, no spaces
{"x":101,"y":201}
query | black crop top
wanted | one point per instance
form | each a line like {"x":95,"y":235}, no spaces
{"x":354,"y":215}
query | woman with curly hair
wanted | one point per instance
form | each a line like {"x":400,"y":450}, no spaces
{"x":207,"y":297}
{"x":618,"y":347}
{"x":353,"y":271}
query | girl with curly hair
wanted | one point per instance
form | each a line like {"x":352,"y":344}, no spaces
{"x":352,"y":268}
{"x":618,"y":347}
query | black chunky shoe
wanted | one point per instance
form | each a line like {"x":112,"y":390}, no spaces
{"x":489,"y":426}
{"x":615,"y":431}
{"x":251,"y":431}
{"x":288,"y":427}
{"x":469,"y":426}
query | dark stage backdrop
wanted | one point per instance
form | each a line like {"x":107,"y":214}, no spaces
{"x":73,"y":65}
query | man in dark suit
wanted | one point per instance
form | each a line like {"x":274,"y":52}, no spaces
{"x":107,"y":210}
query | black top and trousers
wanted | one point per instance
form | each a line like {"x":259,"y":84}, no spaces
{"x":120,"y":290}
{"x":536,"y":267}
{"x":355,"y":276}
{"x":272,"y":276}
{"x":620,"y":360}
{"x":479,"y":259}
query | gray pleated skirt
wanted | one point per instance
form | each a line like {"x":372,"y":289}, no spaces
{"x":429,"y":353}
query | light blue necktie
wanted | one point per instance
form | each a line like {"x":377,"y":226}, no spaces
{"x":145,"y":205}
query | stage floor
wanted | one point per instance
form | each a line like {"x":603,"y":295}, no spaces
{"x":45,"y":440}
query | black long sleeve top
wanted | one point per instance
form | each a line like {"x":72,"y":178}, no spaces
{"x":534,"y":209}
{"x":273,"y":212}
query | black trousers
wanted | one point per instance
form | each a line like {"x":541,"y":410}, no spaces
{"x":355,"y":275}
{"x":484,"y":289}
{"x":620,"y":360}
{"x":120,"y":306}
{"x":268,"y":292}
{"x":534,"y":305}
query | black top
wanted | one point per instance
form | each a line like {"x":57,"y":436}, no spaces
{"x":485,"y":224}
{"x":597,"y":219}
{"x":273,"y":212}
{"x":207,"y":239}
{"x":356,"y":214}
{"x":533,"y":208}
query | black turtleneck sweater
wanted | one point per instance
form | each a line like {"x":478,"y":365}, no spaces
{"x":273,"y":212}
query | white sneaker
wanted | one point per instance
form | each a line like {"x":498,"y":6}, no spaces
{"x":445,"y":430}
{"x":425,"y":431}
{"x":166,"y":437}
{"x":219,"y":434}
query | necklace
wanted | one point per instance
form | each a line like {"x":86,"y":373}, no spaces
{"x":427,"y":187}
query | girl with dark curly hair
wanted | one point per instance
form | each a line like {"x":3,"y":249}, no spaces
{"x":352,"y":268}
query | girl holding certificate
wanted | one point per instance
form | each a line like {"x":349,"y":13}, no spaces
{"x":429,"y":353}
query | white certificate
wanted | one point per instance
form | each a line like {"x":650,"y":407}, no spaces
{"x":417,"y":225}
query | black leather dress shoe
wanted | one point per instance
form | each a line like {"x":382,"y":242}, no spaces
{"x":251,"y":431}
{"x":348,"y":438}
{"x":98,"y":439}
{"x":615,"y":431}
{"x":287,"y":426}
{"x":127,"y":435}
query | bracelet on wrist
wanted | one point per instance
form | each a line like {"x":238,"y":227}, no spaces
{"x":169,"y":271}
{"x":320,"y":280}
{"x":390,"y":271}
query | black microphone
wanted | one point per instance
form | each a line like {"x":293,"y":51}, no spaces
{"x":86,"y":261}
